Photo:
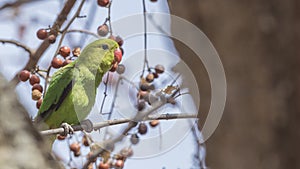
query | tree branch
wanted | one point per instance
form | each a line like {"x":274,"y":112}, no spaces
{"x":16,"y":4}
{"x":103,"y":124}
{"x":61,"y":18}
{"x":19,"y":44}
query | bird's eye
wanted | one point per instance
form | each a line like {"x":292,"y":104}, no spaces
{"x":104,"y":46}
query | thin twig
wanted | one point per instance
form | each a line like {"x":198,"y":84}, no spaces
{"x":146,"y":64}
{"x":16,"y":4}
{"x":19,"y":44}
{"x":84,"y":32}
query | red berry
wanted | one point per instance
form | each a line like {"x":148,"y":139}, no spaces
{"x":103,"y":165}
{"x":39,"y":103}
{"x":118,"y":55}
{"x":42,"y":34}
{"x":34,"y":79}
{"x":103,"y":3}
{"x":119,"y":40}
{"x":64,"y":51}
{"x":103,"y":30}
{"x":38,"y":87}
{"x":75,"y":147}
{"x":154,"y":123}
{"x":142,"y":128}
{"x":114,"y":67}
{"x":56,"y":63}
{"x":119,"y":164}
{"x":61,"y":137}
{"x":51,"y":38}
{"x":24,"y":75}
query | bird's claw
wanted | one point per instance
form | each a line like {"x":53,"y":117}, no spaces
{"x":68,"y":129}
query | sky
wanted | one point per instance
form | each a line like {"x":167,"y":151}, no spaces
{"x":177,"y":143}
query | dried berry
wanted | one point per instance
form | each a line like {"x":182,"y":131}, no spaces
{"x":36,"y":94}
{"x":154,"y":123}
{"x":24,"y":75}
{"x":144,"y":87}
{"x":142,"y":128}
{"x":56,"y":63}
{"x":103,"y":3}
{"x":38,"y":87}
{"x":51,"y":38}
{"x":77,"y":154}
{"x":103,"y":30}
{"x":39,"y":103}
{"x":103,"y":165}
{"x":76,"y":51}
{"x":89,"y":156}
{"x":159,"y":69}
{"x":155,"y":75}
{"x":119,"y":40}
{"x":134,"y":139}
{"x":64,"y":51}
{"x":42,"y":34}
{"x":75,"y":147}
{"x":85,"y":141}
{"x":143,"y":94}
{"x":121,"y":69}
{"x":141,"y":105}
{"x":126,"y":152}
{"x":150,"y":77}
{"x":34,"y":79}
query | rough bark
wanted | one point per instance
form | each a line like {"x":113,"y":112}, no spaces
{"x":21,"y":146}
{"x":257,"y":42}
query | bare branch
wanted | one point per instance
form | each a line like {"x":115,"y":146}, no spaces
{"x":19,"y":44}
{"x":83,"y":31}
{"x":16,"y":4}
{"x":103,"y":124}
{"x":61,"y":18}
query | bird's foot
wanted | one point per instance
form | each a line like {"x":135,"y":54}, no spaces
{"x":68,"y":129}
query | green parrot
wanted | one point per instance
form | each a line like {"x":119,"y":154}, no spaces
{"x":72,"y":90}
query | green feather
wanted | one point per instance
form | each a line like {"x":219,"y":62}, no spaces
{"x":72,"y":90}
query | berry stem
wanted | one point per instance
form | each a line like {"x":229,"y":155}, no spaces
{"x":146,"y":64}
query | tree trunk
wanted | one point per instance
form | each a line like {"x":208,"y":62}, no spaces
{"x":21,"y":146}
{"x":256,"y":41}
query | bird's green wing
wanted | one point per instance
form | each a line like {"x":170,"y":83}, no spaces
{"x":59,"y":88}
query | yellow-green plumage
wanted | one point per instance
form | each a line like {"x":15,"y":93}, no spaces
{"x":72,"y":90}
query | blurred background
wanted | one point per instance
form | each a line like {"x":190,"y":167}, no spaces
{"x":258,"y":44}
